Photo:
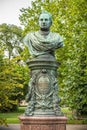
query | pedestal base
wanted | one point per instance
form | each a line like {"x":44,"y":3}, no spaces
{"x":43,"y":123}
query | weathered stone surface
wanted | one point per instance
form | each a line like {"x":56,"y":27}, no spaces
{"x":43,"y":123}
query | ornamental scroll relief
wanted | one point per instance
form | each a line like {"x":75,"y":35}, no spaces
{"x":43,"y":93}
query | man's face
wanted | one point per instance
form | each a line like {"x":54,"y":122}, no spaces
{"x":44,"y":21}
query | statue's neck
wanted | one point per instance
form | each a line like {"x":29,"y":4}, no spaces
{"x":44,"y":31}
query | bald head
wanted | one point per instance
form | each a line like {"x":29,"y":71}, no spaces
{"x":45,"y":20}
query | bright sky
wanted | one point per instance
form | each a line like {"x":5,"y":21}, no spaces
{"x":10,"y":10}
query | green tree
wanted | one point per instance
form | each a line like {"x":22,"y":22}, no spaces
{"x":11,"y":39}
{"x":13,"y":71}
{"x":69,"y":20}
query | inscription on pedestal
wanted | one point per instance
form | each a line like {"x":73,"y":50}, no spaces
{"x":43,"y":84}
{"x":48,"y":127}
{"x":35,"y":127}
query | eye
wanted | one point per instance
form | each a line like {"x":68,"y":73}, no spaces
{"x":46,"y":19}
{"x":41,"y":19}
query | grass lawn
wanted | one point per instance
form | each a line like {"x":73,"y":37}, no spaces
{"x":12,"y":117}
{"x":71,"y":119}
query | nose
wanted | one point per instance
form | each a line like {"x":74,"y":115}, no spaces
{"x":43,"y":21}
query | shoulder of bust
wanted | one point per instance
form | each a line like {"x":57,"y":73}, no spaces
{"x":55,"y":34}
{"x":29,"y":33}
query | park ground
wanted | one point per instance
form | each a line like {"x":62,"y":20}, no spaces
{"x":12,"y":117}
{"x":12,"y":121}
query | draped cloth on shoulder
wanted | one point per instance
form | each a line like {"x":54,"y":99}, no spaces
{"x":39,"y":44}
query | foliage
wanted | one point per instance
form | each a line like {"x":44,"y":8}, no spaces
{"x":3,"y":122}
{"x":13,"y":71}
{"x":69,"y":20}
{"x":10,"y":38}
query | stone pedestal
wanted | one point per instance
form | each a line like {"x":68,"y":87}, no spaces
{"x":43,"y":111}
{"x":42,"y":96}
{"x":43,"y":123}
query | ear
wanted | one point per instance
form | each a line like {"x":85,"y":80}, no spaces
{"x":51,"y":22}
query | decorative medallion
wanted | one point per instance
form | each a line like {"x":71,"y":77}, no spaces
{"x":43,"y":84}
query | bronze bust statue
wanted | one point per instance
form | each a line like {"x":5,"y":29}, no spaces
{"x":43,"y":42}
{"x":42,"y":96}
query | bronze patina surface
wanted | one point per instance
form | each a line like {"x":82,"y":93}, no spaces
{"x":42,"y":96}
